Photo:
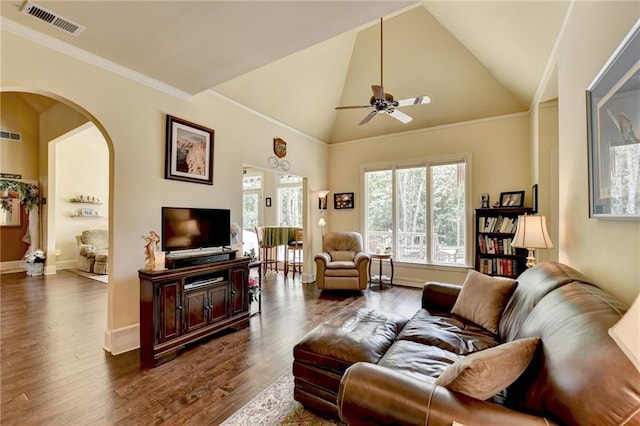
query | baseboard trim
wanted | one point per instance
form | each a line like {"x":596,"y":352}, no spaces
{"x":66,"y":264}
{"x":12,"y":266}
{"x":308,"y":278}
{"x":122,"y":340}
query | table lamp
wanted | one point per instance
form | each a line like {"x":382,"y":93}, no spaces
{"x":625,"y":333}
{"x":531,"y":233}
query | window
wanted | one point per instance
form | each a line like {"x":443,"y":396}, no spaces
{"x":290,"y":200}
{"x":252,"y":188}
{"x":418,"y":212}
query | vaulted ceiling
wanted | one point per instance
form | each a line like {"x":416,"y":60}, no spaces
{"x":294,"y":61}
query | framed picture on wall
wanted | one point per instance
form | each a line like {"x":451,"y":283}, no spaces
{"x":613,"y":134}
{"x":189,"y":152}
{"x":343,"y":200}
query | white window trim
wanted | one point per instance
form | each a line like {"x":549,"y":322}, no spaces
{"x":427,"y":162}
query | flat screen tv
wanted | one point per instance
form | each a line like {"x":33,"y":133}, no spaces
{"x":195,"y":228}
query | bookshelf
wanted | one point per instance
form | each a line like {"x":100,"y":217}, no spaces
{"x":495,"y":229}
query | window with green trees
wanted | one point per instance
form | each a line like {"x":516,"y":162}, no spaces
{"x":418,"y":211}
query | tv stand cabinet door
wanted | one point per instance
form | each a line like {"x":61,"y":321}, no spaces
{"x":169,"y":310}
{"x":238,"y":280}
{"x":219,"y":302}
{"x":196,"y":310}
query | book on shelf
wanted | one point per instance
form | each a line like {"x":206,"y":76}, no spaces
{"x":497,"y":224}
{"x":488,"y":245}
{"x":505,"y":267}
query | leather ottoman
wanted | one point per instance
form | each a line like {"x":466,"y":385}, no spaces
{"x":323,"y":355}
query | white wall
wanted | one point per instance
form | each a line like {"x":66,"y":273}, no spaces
{"x":607,"y":251}
{"x":500,"y":161}
{"x":132,"y":118}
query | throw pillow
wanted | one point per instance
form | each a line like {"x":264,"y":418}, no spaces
{"x":483,"y":298}
{"x":483,"y":374}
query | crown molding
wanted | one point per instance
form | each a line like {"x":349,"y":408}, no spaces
{"x":98,"y":61}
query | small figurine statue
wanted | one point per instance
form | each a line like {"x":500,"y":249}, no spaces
{"x":252,"y":254}
{"x":152,"y":242}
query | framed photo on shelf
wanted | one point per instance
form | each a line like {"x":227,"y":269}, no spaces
{"x":512,"y":199}
{"x":343,"y":200}
{"x":613,"y":134}
{"x":189,"y":152}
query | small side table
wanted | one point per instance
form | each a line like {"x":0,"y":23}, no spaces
{"x":381,"y":279}
{"x":259,"y":264}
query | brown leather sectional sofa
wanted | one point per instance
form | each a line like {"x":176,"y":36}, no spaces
{"x":577,"y":376}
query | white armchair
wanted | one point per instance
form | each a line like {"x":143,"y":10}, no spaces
{"x":93,"y":251}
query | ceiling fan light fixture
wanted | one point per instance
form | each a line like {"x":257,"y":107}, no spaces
{"x":384,"y":102}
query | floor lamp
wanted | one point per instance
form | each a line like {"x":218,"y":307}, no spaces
{"x":322,"y":205}
{"x":531,"y":233}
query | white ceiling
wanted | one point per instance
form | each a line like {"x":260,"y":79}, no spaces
{"x":296,"y":60}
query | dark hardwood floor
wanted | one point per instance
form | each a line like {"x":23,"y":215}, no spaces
{"x":55,"y":372}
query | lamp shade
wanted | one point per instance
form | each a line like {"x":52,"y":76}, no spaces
{"x":531,"y":233}
{"x":627,"y":335}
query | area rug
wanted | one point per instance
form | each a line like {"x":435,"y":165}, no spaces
{"x":275,"y":406}
{"x":101,"y":278}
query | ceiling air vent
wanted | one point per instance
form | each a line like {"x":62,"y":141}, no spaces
{"x":52,"y":18}
{"x":5,"y":134}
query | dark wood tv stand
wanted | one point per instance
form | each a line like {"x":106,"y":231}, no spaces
{"x":180,"y":306}
{"x":179,"y":260}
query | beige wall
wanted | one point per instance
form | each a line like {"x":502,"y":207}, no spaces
{"x":608,"y":251}
{"x":544,"y":123}
{"x":500,"y":161}
{"x":132,"y":116}
{"x":81,"y":168}
{"x":19,"y":157}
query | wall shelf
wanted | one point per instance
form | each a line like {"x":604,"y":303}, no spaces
{"x":86,"y":202}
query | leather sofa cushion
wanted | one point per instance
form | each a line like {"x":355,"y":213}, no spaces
{"x":533,"y":285}
{"x":423,"y":362}
{"x":451,"y":333}
{"x":353,"y":335}
{"x":484,"y":374}
{"x":483,"y":298}
{"x":581,"y":376}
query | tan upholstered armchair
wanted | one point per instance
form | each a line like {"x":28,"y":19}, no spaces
{"x":342,"y":265}
{"x":93,"y":251}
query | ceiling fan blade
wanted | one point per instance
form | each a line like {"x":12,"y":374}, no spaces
{"x":378,"y":92}
{"x":398,"y":115}
{"x":368,"y":117}
{"x":353,"y":107}
{"x":418,"y":100}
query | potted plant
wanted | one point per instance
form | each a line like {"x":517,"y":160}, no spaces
{"x":254,"y":290}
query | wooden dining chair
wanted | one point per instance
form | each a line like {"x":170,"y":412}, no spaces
{"x":268,"y":254}
{"x":294,"y":249}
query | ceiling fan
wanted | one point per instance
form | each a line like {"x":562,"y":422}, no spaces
{"x":384,"y":102}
